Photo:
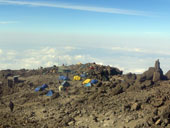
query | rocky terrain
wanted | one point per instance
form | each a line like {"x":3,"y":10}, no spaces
{"x":117,"y":101}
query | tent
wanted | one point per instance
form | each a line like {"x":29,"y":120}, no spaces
{"x":65,"y":84}
{"x":63,"y":78}
{"x":41,"y":88}
{"x":50,"y":93}
{"x":77,"y":78}
{"x":44,"y":86}
{"x":86,"y":81}
{"x":88,"y":85}
{"x":94,"y":81}
{"x":38,"y":89}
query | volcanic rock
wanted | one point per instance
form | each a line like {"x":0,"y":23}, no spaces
{"x":147,"y":75}
{"x":153,"y":73}
{"x":117,"y":90}
{"x":130,"y":100}
{"x":158,"y":74}
{"x":165,"y":115}
{"x":167,"y":75}
{"x":125,"y":85}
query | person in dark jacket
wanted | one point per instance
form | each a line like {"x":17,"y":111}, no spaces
{"x":11,"y":106}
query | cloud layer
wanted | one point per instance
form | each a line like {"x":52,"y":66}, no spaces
{"x":34,"y":58}
{"x":76,"y":7}
{"x":128,"y":61}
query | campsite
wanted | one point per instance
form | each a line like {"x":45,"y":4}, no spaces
{"x":84,"y":96}
{"x":84,"y":63}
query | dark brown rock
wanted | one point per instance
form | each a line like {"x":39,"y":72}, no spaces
{"x":157,"y":103}
{"x":153,"y":73}
{"x":165,"y":115}
{"x":147,"y":75}
{"x":117,"y":90}
{"x":145,"y":84}
{"x":148,"y":83}
{"x":126,"y":108}
{"x":55,"y":95}
{"x":125,"y":85}
{"x":156,"y":76}
{"x":130,"y":76}
{"x":135,"y":106}
{"x":157,"y":66}
{"x":167,"y":75}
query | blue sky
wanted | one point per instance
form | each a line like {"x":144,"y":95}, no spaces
{"x":129,"y":34}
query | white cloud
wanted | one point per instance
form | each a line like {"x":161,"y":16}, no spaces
{"x":8,"y":22}
{"x":34,"y":58}
{"x":78,"y":57}
{"x":70,"y":48}
{"x":156,"y":51}
{"x":136,"y":70}
{"x":77,"y":7}
{"x":127,"y":49}
{"x":11,"y":53}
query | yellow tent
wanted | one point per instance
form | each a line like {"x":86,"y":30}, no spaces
{"x":77,"y":78}
{"x":86,"y":81}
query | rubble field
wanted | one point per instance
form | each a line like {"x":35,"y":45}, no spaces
{"x":116,"y":100}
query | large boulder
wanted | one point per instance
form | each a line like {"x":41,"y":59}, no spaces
{"x":125,"y":85}
{"x":153,"y":73}
{"x":130,"y":78}
{"x":158,"y":74}
{"x":147,"y":75}
{"x":167,"y":75}
{"x":117,"y":90}
{"x":114,"y":71}
{"x":165,"y":114}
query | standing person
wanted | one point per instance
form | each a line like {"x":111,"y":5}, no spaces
{"x":59,"y":82}
{"x":11,"y":106}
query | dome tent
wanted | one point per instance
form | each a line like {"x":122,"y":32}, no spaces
{"x":41,"y":88}
{"x":50,"y":93}
{"x":86,"y":81}
{"x":78,"y":78}
{"x":44,"y":86}
{"x":37,"y":88}
{"x":88,"y":85}
{"x":94,"y":81}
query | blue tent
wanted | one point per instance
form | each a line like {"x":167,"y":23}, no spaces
{"x":63,"y":78}
{"x":94,"y":81}
{"x":65,"y":84}
{"x":38,"y":89}
{"x":88,"y":85}
{"x":41,"y":88}
{"x":50,"y":93}
{"x":44,"y":86}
